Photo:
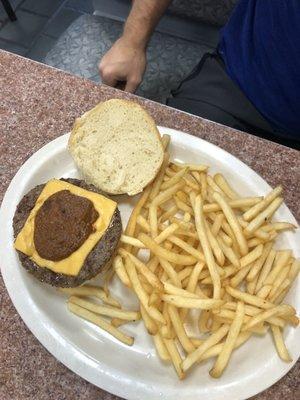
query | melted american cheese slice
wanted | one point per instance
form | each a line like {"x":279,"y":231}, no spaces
{"x":72,"y":264}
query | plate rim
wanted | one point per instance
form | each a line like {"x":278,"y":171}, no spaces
{"x":52,"y":345}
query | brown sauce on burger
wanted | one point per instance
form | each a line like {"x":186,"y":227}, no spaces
{"x":62,"y":225}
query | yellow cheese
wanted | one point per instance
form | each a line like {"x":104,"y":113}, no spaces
{"x":72,"y":264}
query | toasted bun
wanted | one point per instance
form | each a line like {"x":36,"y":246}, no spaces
{"x":117,"y":147}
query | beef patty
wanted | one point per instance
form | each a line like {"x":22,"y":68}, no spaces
{"x":96,"y":260}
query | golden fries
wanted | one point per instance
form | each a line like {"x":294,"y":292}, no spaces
{"x":194,"y":249}
{"x":215,"y":338}
{"x":209,"y":258}
{"x":280,"y":345}
{"x":95,"y":319}
{"x":233,"y":222}
{"x":91,"y":291}
{"x":229,"y":344}
{"x":105,"y":310}
{"x":187,"y":302}
{"x":264,"y":215}
{"x":165,"y":254}
{"x":256,"y":209}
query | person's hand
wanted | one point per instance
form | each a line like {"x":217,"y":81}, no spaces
{"x":124,"y":62}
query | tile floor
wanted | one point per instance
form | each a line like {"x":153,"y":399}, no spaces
{"x":39,"y":24}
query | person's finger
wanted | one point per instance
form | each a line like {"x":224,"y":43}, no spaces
{"x":107,"y":76}
{"x":132,"y":85}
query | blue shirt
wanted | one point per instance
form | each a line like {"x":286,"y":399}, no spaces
{"x":260,"y":46}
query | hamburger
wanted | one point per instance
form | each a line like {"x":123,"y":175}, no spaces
{"x":66,"y":232}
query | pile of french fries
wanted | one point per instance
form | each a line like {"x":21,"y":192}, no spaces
{"x":194,"y":248}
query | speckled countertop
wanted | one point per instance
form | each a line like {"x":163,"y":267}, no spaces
{"x":37,"y":104}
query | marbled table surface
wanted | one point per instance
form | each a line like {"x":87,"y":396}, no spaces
{"x":37,"y":104}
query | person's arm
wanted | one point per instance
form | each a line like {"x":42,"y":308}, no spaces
{"x":126,"y":60}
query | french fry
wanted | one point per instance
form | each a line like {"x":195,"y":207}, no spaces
{"x":237,"y":203}
{"x":107,"y":279}
{"x":155,"y":187}
{"x":264,"y":291}
{"x":229,"y":253}
{"x":254,"y":242}
{"x":203,"y":184}
{"x":141,"y":294}
{"x":143,"y":223}
{"x":175,"y":179}
{"x":278,"y":227}
{"x":130,"y":228}
{"x":121,"y":271}
{"x":212,"y":340}
{"x":116,"y":322}
{"x":294,"y":270}
{"x":217,"y":224}
{"x":224,"y":186}
{"x":213,"y":186}
{"x":132,"y":241}
{"x":181,"y":205}
{"x":231,"y":314}
{"x":252,"y":256}
{"x":153,"y":221}
{"x":168,"y":231}
{"x":187,"y":302}
{"x":233,"y":222}
{"x":167,"y":330}
{"x":265,"y":270}
{"x":175,"y":356}
{"x":193,"y":278}
{"x":240,"y":275}
{"x":171,"y":289}
{"x":217,"y":251}
{"x":278,"y":281}
{"x":189,"y":246}
{"x":209,"y":258}
{"x":226,"y":239}
{"x":281,"y":261}
{"x":146,"y":272}
{"x":165,"y":254}
{"x":233,"y":333}
{"x":249,"y":298}
{"x":148,"y":321}
{"x":256,"y":209}
{"x":111,"y":312}
{"x":253,"y":311}
{"x":280,"y":345}
{"x":190,"y":182}
{"x":191,"y":167}
{"x":263,"y":216}
{"x":168,"y":214}
{"x":179,"y":329}
{"x":170,"y":271}
{"x":100,"y":322}
{"x":282,"y":292}
{"x":154,"y":299}
{"x":185,"y":273}
{"x":153,"y":263}
{"x":196,"y":342}
{"x":185,"y":246}
{"x":216,"y":350}
{"x":167,"y":194}
{"x":161,"y":348}
{"x":264,"y":315}
{"x":254,"y":271}
{"x":91,"y":291}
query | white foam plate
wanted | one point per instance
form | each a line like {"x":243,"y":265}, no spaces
{"x":136,"y":372}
